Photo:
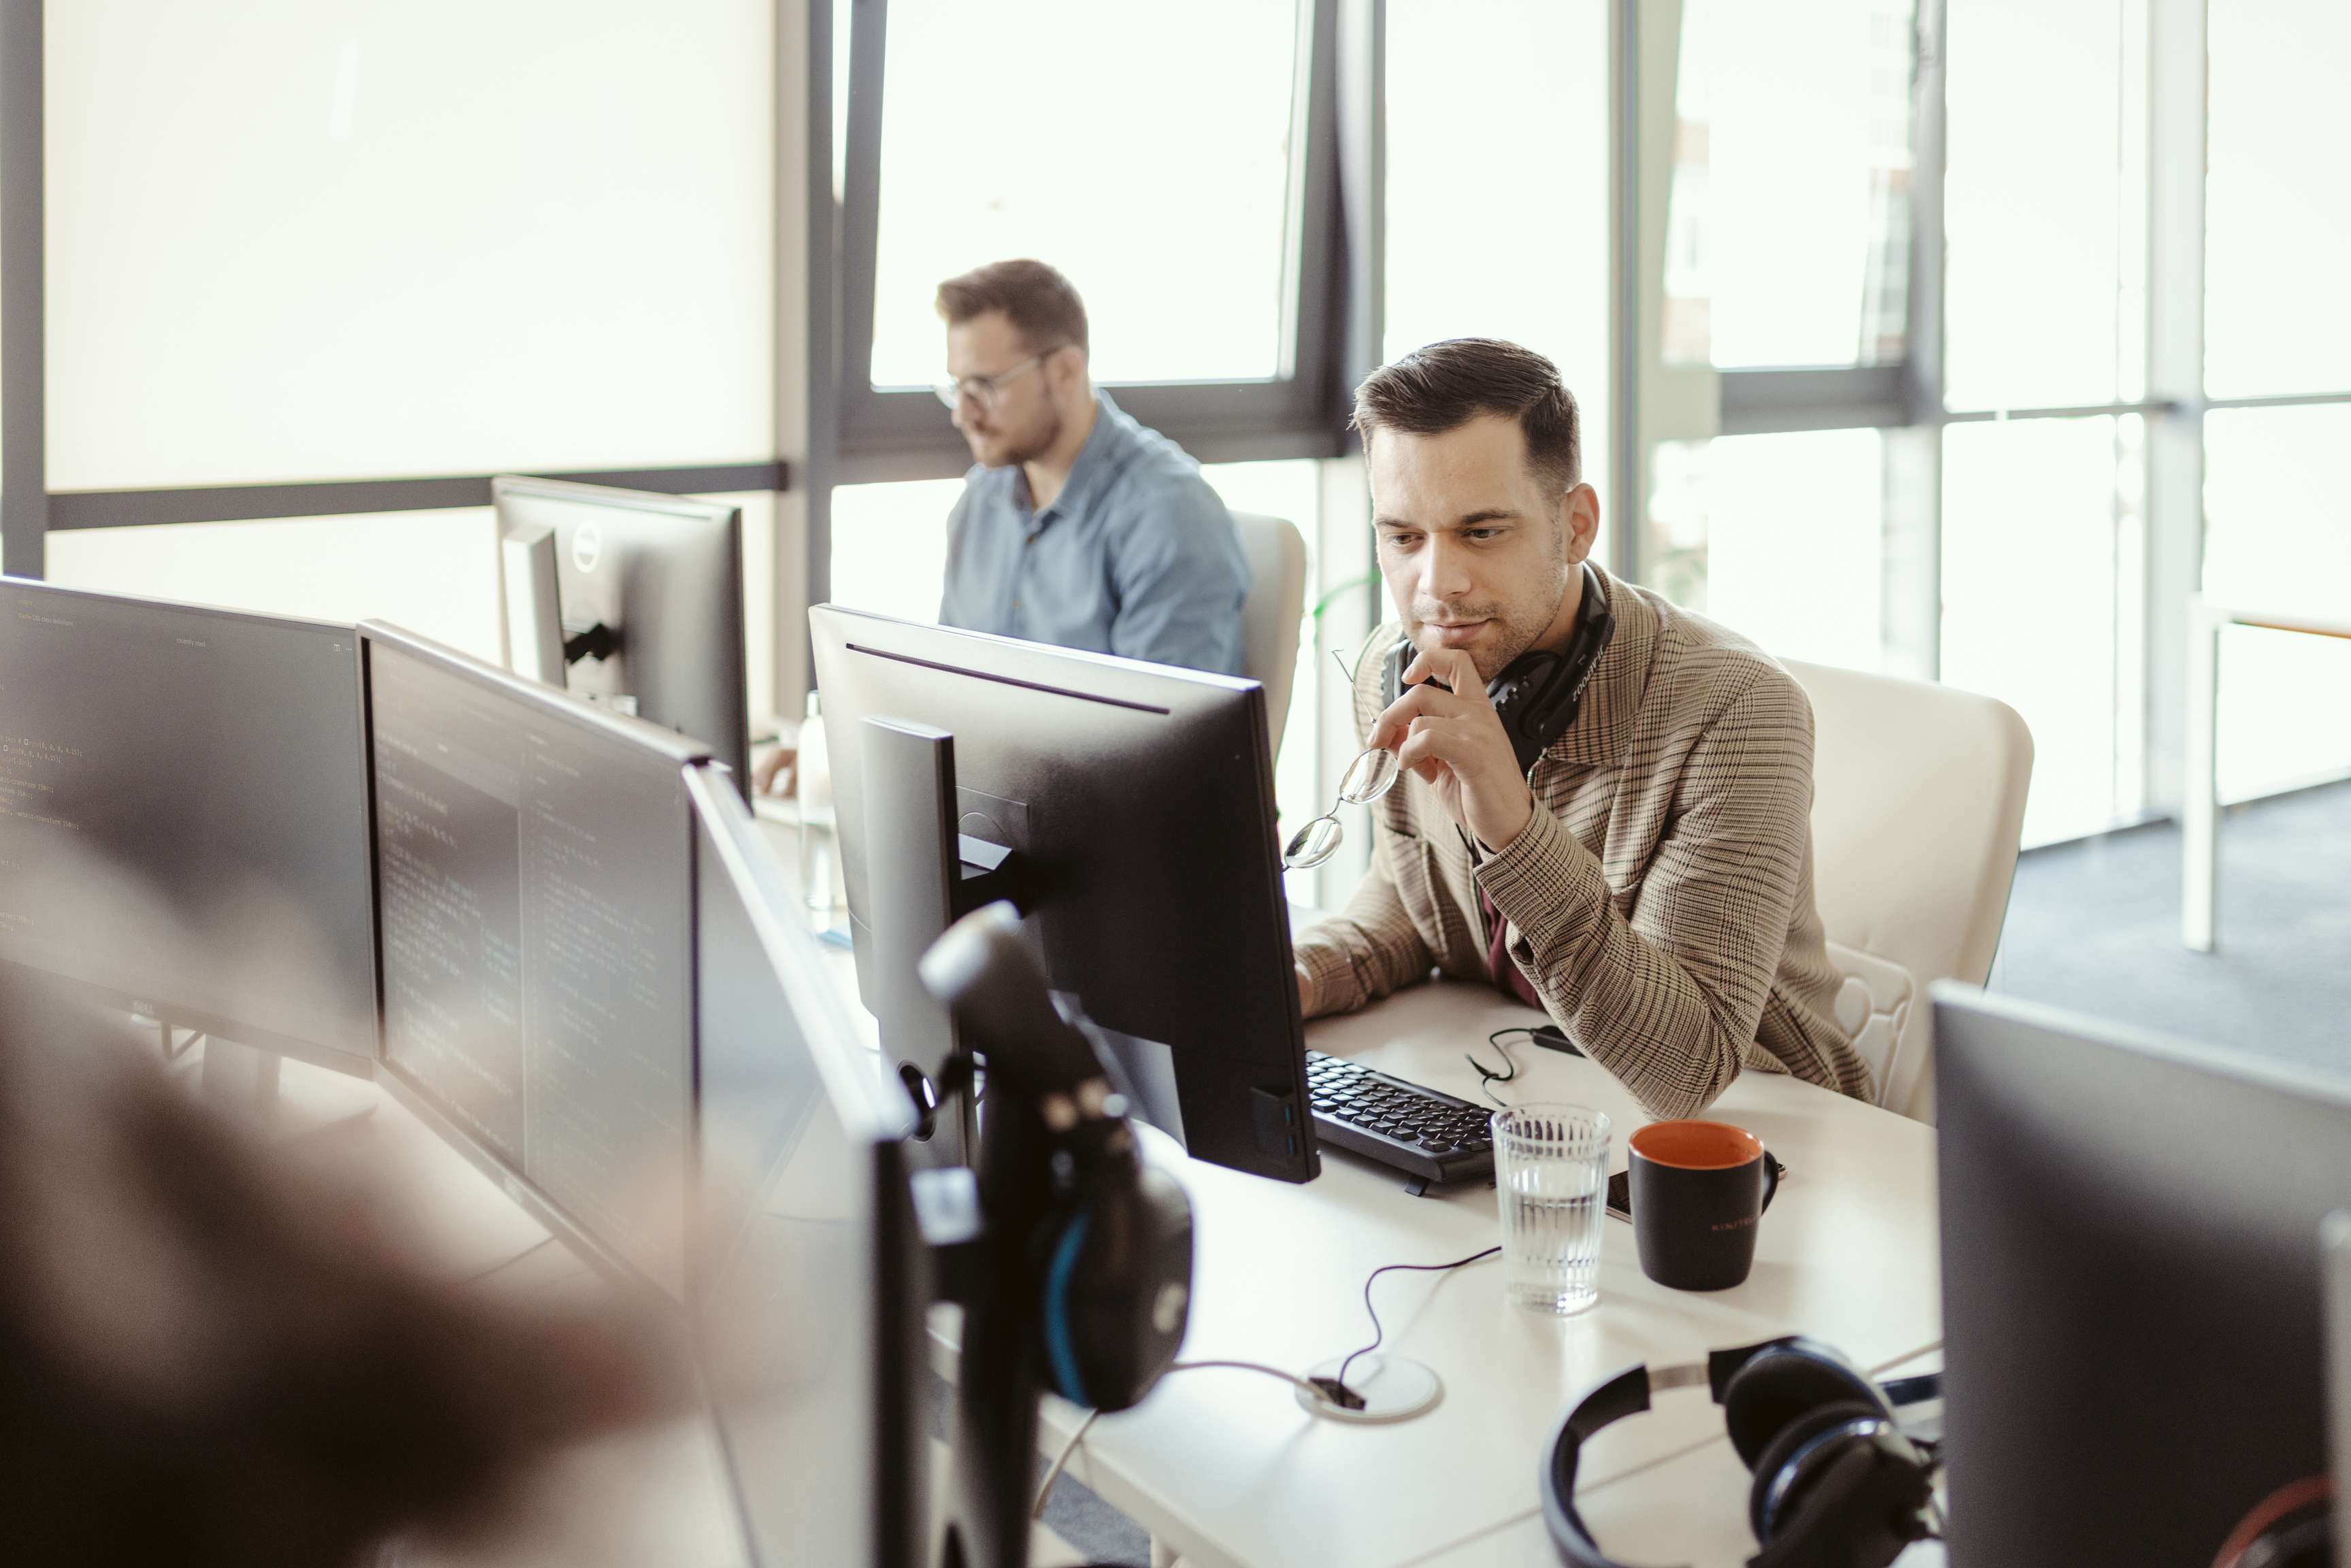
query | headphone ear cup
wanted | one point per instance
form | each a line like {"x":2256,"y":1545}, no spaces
{"x":1783,"y":1384}
{"x":1762,"y":1514}
{"x":1118,"y":1291}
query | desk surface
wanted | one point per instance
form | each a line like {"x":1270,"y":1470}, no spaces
{"x":1223,"y":1468}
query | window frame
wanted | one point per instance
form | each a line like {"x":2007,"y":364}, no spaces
{"x":890,"y":434}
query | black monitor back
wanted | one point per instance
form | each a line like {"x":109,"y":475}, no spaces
{"x":812,"y":1314}
{"x":665,"y":573}
{"x":183,"y":816}
{"x":2132,"y":1301}
{"x":1140,"y":798}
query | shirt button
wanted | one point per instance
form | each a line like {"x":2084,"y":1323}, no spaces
{"x":1016,"y":604}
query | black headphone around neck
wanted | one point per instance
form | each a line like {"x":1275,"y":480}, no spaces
{"x":1838,"y":1482}
{"x":1537,"y":695}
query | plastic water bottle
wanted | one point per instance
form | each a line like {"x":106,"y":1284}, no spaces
{"x":820,"y":843}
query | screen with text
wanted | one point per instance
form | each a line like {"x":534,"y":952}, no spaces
{"x":184,"y":815}
{"x":536,"y":887}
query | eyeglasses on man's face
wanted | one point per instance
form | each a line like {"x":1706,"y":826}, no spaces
{"x":983,"y":391}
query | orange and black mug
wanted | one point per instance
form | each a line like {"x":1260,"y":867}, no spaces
{"x":1698,"y":1189}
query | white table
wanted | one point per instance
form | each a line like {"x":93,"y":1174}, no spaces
{"x":1223,"y":1468}
{"x":2200,"y":836}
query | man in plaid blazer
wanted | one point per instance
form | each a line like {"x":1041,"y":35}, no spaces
{"x":1646,"y":875}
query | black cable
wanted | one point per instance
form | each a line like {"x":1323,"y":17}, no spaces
{"x":1487,"y":1076}
{"x":1378,"y":1332}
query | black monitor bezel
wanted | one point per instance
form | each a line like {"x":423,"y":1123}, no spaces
{"x":669,"y":749}
{"x":316,"y":1053}
{"x":880,"y":1118}
{"x":841,"y":633}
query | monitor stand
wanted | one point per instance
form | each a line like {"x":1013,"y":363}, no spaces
{"x":259,"y":1090}
{"x":922,"y":875}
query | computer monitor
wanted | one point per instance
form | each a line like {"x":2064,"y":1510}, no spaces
{"x":1139,"y":802}
{"x":640,"y":596}
{"x":183,"y":817}
{"x":811,"y":1322}
{"x":533,"y":888}
{"x":2337,"y":1242}
{"x":2132,"y":1306}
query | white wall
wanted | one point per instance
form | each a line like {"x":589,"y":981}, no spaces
{"x":342,"y":239}
{"x":296,"y":239}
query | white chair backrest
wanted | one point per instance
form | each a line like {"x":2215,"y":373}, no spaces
{"x":1270,"y":614}
{"x":1918,"y":803}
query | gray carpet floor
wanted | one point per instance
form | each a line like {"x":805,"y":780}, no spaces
{"x":2093,"y":926}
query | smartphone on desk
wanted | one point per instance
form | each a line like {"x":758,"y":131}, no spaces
{"x":1620,"y":1188}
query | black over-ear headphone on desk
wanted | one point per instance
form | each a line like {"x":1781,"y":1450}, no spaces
{"x":1838,"y":1483}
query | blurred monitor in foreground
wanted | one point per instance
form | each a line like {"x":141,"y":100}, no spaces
{"x":2132,"y":1301}
{"x":183,"y":817}
{"x":812,"y":1320}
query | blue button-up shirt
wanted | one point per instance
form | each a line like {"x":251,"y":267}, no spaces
{"x":1135,"y":557}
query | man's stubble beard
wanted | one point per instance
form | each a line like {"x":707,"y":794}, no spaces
{"x":1048,"y":437}
{"x":1517,"y":638}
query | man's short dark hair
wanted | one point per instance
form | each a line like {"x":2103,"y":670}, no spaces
{"x":1039,"y":302}
{"x":1446,"y":385}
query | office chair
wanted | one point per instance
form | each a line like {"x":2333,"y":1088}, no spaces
{"x":1270,"y":614}
{"x":1917,"y":805}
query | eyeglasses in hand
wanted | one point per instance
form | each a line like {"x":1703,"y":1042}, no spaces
{"x":1369,"y":777}
{"x":1372,"y":775}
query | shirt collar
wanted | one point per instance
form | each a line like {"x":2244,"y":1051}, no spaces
{"x":1098,"y":460}
{"x":1604,"y":720}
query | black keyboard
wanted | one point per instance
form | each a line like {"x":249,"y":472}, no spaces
{"x":1429,"y":1136}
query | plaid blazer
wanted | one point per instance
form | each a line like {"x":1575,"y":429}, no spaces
{"x":1660,"y":899}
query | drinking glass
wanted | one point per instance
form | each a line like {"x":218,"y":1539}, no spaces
{"x":1550,"y":1175}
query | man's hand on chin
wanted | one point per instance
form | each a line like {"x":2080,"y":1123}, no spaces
{"x":1456,"y":742}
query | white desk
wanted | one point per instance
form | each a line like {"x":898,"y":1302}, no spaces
{"x":1225,"y":1469}
{"x":2200,"y":836}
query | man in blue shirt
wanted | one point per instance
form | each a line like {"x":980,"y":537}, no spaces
{"x":1078,"y":526}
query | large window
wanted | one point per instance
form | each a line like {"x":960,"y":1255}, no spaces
{"x":1789,"y":225}
{"x":998,"y":142}
{"x":2278,"y":328}
{"x":1779,"y":537}
{"x":2277,"y":317}
{"x":1175,"y":163}
{"x":344,"y":241}
{"x":1965,"y":415}
{"x":2044,"y":251}
{"x":1497,"y":191}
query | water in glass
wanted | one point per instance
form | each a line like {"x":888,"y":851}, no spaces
{"x":1551,"y":1174}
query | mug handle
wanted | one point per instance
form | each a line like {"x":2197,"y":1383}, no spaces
{"x":1770,"y":1181}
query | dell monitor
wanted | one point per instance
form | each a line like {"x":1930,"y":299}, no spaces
{"x":2133,"y":1310}
{"x":811,"y":1320}
{"x":183,"y":817}
{"x":534,"y":890}
{"x":1129,"y":808}
{"x":632,"y":600}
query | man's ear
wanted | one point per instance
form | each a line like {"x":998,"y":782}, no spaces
{"x":1067,"y":367}
{"x":1579,"y":516}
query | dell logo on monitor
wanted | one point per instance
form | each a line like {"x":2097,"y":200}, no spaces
{"x":587,"y":547}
